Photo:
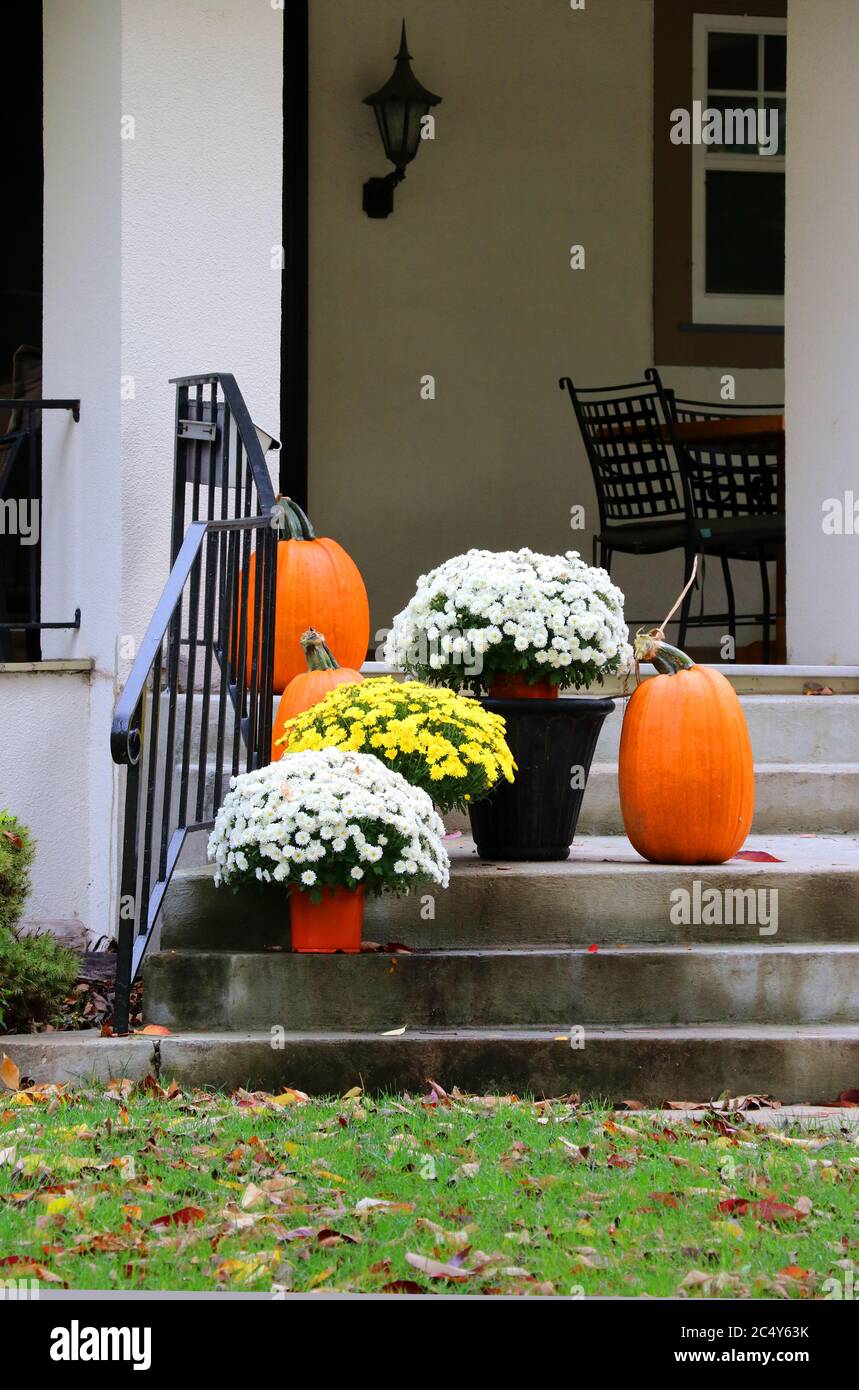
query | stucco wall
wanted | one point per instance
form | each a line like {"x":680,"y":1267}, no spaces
{"x":69,"y":780}
{"x":158,"y":262}
{"x":45,"y":754}
{"x":544,"y":139}
{"x":201,"y":213}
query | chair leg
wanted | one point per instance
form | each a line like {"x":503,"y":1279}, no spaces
{"x":732,"y":611}
{"x":765,"y":588}
{"x":687,"y":602}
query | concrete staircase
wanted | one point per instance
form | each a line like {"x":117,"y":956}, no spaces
{"x":557,"y":978}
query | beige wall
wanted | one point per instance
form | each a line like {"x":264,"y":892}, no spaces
{"x":544,"y":139}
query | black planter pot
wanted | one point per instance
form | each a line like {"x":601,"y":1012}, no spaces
{"x":535,"y":816}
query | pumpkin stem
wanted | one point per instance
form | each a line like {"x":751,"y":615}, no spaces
{"x":652,"y":646}
{"x":317,"y":652}
{"x":289,"y":517}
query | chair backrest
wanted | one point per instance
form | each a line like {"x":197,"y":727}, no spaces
{"x":624,"y":433}
{"x":721,"y":480}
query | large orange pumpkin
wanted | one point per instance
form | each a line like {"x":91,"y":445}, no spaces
{"x":310,"y":686}
{"x":687,"y":788}
{"x":317,"y":582}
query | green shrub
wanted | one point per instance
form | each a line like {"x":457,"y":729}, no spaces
{"x":16,"y":856}
{"x":36,"y":974}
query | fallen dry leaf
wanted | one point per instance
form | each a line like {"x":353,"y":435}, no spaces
{"x":9,"y":1074}
{"x":185,"y":1216}
{"x":435,"y":1269}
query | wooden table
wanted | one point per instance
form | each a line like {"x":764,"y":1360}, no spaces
{"x":761,"y":431}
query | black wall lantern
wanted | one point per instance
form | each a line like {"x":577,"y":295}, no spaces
{"x":400,"y":107}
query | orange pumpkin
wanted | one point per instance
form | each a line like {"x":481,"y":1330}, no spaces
{"x":687,"y":787}
{"x":310,"y":686}
{"x":317,"y":582}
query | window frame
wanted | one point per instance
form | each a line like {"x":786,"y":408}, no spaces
{"x":709,"y":306}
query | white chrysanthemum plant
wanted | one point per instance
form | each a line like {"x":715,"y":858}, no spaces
{"x":328,"y":819}
{"x":497,"y":620}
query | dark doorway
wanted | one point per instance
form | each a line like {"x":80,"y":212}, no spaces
{"x":20,"y":322}
{"x":294,"y":316}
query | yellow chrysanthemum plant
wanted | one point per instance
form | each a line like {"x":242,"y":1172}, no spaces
{"x":446,"y":743}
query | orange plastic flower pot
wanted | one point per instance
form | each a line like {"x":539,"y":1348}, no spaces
{"x":515,"y":687}
{"x":332,"y":924}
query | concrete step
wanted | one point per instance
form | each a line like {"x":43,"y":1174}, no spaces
{"x":656,"y":985}
{"x":783,"y":728}
{"x":604,"y":893}
{"x":810,"y":1064}
{"x":789,"y":797}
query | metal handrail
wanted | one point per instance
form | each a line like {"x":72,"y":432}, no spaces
{"x":217,"y":609}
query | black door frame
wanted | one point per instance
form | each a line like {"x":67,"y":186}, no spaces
{"x":294,"y":322}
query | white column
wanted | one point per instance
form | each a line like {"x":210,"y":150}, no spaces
{"x":822,"y":332}
{"x":81,"y":463}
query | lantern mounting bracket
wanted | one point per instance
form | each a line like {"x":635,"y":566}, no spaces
{"x":379,"y":194}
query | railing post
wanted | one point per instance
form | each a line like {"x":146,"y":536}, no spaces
{"x":129,"y":907}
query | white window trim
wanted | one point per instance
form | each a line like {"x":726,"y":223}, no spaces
{"x":763,"y":309}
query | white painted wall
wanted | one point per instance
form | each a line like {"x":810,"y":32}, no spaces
{"x":544,"y":139}
{"x":822,"y":328}
{"x":82,"y":467}
{"x":158,"y":262}
{"x":46,"y":755}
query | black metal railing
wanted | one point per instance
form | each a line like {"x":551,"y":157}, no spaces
{"x":197,"y":706}
{"x":219,"y":466}
{"x":20,"y":552}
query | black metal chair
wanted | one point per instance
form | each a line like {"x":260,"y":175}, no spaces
{"x":732,"y":505}
{"x":642,"y":509}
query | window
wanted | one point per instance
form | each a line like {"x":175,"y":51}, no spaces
{"x":738,"y":169}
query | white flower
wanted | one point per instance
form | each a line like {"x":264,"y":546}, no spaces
{"x":326,"y":807}
{"x":550,"y":610}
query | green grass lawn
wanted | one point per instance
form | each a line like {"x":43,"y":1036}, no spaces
{"x":133,"y":1187}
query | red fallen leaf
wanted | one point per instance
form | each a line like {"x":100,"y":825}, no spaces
{"x":764,"y":1209}
{"x":152,"y":1030}
{"x":665,"y":1199}
{"x":849,"y":1098}
{"x":794,"y":1272}
{"x":185,"y":1216}
{"x":106,"y":1031}
{"x":716,"y":1122}
{"x":329,"y":1237}
{"x":631,"y":1105}
{"x":402,"y":1286}
{"x":593,"y":948}
{"x":618,"y":1161}
{"x":14,"y":840}
{"x":758,"y":856}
